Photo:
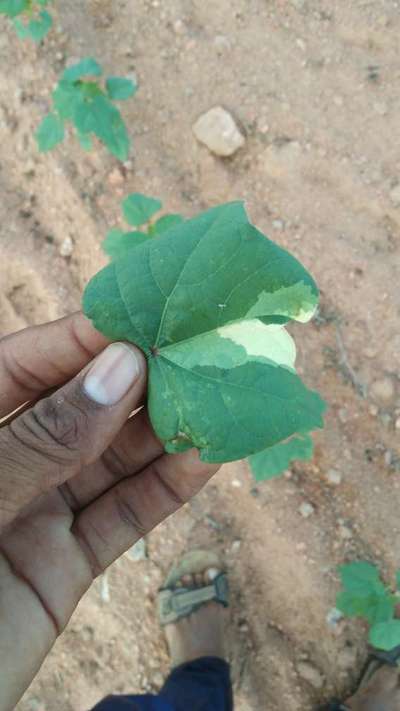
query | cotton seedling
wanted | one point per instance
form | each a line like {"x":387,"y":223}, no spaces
{"x":80,"y":99}
{"x":30,"y":18}
{"x":207,"y":301}
{"x":138,"y":211}
{"x":365,"y":595}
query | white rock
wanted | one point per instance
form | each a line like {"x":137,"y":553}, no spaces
{"x":138,"y":551}
{"x":306,"y":509}
{"x":66,"y":247}
{"x":236,"y":545}
{"x":345,"y":533}
{"x":395,"y":194}
{"x":383,"y":391}
{"x":218,"y":131}
{"x":334,"y":477}
{"x":333,"y":617}
{"x":311,"y":674}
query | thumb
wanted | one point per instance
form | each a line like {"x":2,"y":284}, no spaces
{"x":52,"y":441}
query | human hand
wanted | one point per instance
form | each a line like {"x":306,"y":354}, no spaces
{"x":79,"y":482}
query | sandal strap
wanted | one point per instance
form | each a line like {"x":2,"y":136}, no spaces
{"x":175,"y":603}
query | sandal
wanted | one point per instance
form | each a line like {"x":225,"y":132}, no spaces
{"x":174,"y":602}
{"x":375,"y":661}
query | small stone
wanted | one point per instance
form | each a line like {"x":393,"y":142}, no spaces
{"x":380,"y":108}
{"x":397,"y":424}
{"x":236,"y":545}
{"x":334,"y":477}
{"x":217,"y":130}
{"x":345,"y":533}
{"x":278,"y":224}
{"x":382,"y":391}
{"x":221,"y":43}
{"x":115,"y":178}
{"x":66,"y":247}
{"x":373,"y":410}
{"x":243,"y":627}
{"x":179,"y":27}
{"x":333,"y":617}
{"x":306,"y":509}
{"x":236,"y":483}
{"x":395,"y":194}
{"x":338,"y":100}
{"x":158,"y":679}
{"x":347,"y":658}
{"x":138,"y":551}
{"x":311,"y":674}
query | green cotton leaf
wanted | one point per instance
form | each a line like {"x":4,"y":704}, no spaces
{"x":373,"y":608}
{"x":139,"y":209}
{"x":35,"y":29}
{"x":165,"y":223}
{"x":66,"y":99}
{"x":86,"y":67}
{"x":120,"y":89}
{"x":219,"y":379}
{"x":273,"y":461}
{"x":361,"y":578}
{"x":13,"y":8}
{"x":118,"y":243}
{"x":385,"y":635}
{"x":105,"y":121}
{"x":50,"y":133}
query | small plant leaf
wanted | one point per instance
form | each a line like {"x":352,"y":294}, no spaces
{"x":120,"y":89}
{"x":192,"y":299}
{"x":361,"y":578}
{"x":373,"y":608}
{"x":165,"y":223}
{"x":50,"y":133}
{"x":385,"y":635}
{"x":117,"y":243}
{"x":273,"y":461}
{"x":86,"y":67}
{"x":104,"y":120}
{"x":13,"y":8}
{"x":34,"y":29}
{"x":139,"y":209}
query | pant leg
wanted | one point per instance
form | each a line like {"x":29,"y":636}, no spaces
{"x":201,"y":685}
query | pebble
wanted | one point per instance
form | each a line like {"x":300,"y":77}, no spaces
{"x":346,"y":533}
{"x":158,"y":679}
{"x":397,"y":424}
{"x":236,"y":483}
{"x":66,"y":247}
{"x":217,"y":130}
{"x":334,"y":477}
{"x":306,"y":509}
{"x":179,"y":27}
{"x":115,"y":178}
{"x":395,"y":194}
{"x":138,"y":551}
{"x":236,"y":545}
{"x":333,"y":617}
{"x":278,"y":224}
{"x":382,"y":391}
{"x":221,"y":43}
{"x":311,"y":674}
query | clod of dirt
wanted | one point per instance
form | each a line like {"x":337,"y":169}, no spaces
{"x":218,"y":131}
{"x":383,"y":391}
{"x":347,"y":658}
{"x":311,"y":674}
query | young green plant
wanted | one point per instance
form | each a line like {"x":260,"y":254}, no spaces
{"x":30,"y":18}
{"x":207,"y":301}
{"x":138,"y":211}
{"x":365,"y":595}
{"x":80,"y":99}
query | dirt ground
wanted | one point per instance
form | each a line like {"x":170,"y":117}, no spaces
{"x":315,"y":87}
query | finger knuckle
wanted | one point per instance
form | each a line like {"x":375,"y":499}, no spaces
{"x":54,"y":427}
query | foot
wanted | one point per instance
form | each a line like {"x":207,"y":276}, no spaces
{"x":381,"y":693}
{"x":201,"y":634}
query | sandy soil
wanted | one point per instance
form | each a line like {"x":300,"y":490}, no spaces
{"x":314,"y":85}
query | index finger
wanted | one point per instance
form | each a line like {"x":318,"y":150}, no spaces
{"x":42,"y":357}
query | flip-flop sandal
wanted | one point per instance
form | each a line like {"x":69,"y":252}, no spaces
{"x":177,"y":602}
{"x":375,"y":661}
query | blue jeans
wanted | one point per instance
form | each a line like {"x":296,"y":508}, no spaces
{"x":201,"y":685}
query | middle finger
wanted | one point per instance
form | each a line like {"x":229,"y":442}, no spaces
{"x":134,"y":448}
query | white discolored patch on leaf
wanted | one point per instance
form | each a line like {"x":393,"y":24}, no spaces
{"x":260,"y":340}
{"x":297,"y":302}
